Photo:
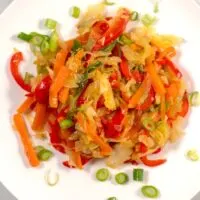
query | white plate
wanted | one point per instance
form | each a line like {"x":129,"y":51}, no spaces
{"x":178,"y":179}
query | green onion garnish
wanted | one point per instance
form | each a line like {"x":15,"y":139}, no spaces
{"x":150,"y":191}
{"x":156,"y":8}
{"x":102,"y":174}
{"x":67,"y":123}
{"x":41,"y":69}
{"x":149,"y":124}
{"x":37,"y":40}
{"x":194,"y":98}
{"x":75,"y":12}
{"x":53,"y":43}
{"x":112,"y":198}
{"x":148,"y":20}
{"x":27,"y":77}
{"x":134,"y":16}
{"x":138,"y":174}
{"x":44,"y":48}
{"x":106,"y":2}
{"x":124,"y":40}
{"x":39,"y":148}
{"x":110,"y":47}
{"x":24,"y":36}
{"x":50,"y":23}
{"x":45,"y":37}
{"x":192,"y":155}
{"x":121,"y":178}
{"x":45,"y":155}
{"x":76,"y":46}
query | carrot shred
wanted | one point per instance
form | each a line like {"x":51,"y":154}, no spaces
{"x":40,"y":117}
{"x":63,"y":95}
{"x":155,"y":79}
{"x":77,"y":159}
{"x":60,"y":60}
{"x":162,"y":107}
{"x":24,"y":135}
{"x":173,"y":90}
{"x":26,"y":105}
{"x":135,"y":99}
{"x":56,"y":86}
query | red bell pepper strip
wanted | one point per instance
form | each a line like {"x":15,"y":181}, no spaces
{"x":142,"y":147}
{"x":152,"y":163}
{"x":117,"y":27}
{"x":133,"y":162}
{"x":100,"y":102}
{"x":113,"y":79}
{"x":157,"y":151}
{"x":111,"y":128}
{"x":148,"y":101}
{"x":14,"y":67}
{"x":84,"y":161}
{"x":185,"y":106}
{"x":124,"y":68}
{"x":138,"y":76}
{"x":42,"y":90}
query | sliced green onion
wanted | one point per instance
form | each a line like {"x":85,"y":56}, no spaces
{"x":75,"y":12}
{"x":28,"y":77}
{"x":76,"y":46}
{"x":39,"y":148}
{"x":124,"y":40}
{"x":45,"y":37}
{"x":51,"y":179}
{"x":93,"y":66}
{"x":192,"y":155}
{"x":134,"y":16}
{"x":121,"y":178}
{"x":112,"y":198}
{"x":45,"y":155}
{"x":50,"y":23}
{"x":24,"y":36}
{"x":106,"y":2}
{"x":194,"y":98}
{"x":44,"y":48}
{"x":102,"y":174}
{"x":156,"y":8}
{"x":110,"y":47}
{"x":150,"y":191}
{"x":148,"y":20}
{"x":53,"y":43}
{"x":67,"y":123}
{"x":37,"y":40}
{"x":149,"y":124}
{"x":41,"y":69}
{"x":138,"y":174}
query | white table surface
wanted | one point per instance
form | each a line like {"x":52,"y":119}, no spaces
{"x":4,"y":193}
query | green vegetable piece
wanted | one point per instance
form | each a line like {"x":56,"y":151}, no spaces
{"x":102,"y":174}
{"x":138,"y":174}
{"x":28,"y":77}
{"x":50,"y":23}
{"x":45,"y":37}
{"x":148,"y":20}
{"x":107,"y":3}
{"x":194,"y":98}
{"x":44,"y":48}
{"x":124,"y":40}
{"x":53,"y":43}
{"x":156,"y":8}
{"x":41,"y":69}
{"x":25,"y":37}
{"x":45,"y":155}
{"x":67,"y":123}
{"x":39,"y":148}
{"x":149,"y":124}
{"x":112,"y":198}
{"x":134,"y":16}
{"x":75,"y":12}
{"x":76,"y":46}
{"x":192,"y":155}
{"x":150,"y":191}
{"x":121,"y":178}
{"x":110,"y":47}
{"x":37,"y":40}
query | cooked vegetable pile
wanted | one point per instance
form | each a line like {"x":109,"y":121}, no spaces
{"x":107,"y":93}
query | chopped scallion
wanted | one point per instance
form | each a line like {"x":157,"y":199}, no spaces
{"x":108,"y":3}
{"x":37,"y":40}
{"x":41,"y":69}
{"x":150,"y":191}
{"x":148,"y":20}
{"x":121,"y":178}
{"x":149,"y":124}
{"x":192,"y":155}
{"x":50,"y":23}
{"x":28,"y":77}
{"x":67,"y":123}
{"x":124,"y":40}
{"x":194,"y":98}
{"x":44,"y":48}
{"x":51,"y":179}
{"x":156,"y":8}
{"x":75,"y":12}
{"x":24,"y":36}
{"x":138,"y":174}
{"x":112,"y":198}
{"x":39,"y":148}
{"x":102,"y":174}
{"x":76,"y":46}
{"x":53,"y":43}
{"x":110,"y":47}
{"x":45,"y":155}
{"x":134,"y":16}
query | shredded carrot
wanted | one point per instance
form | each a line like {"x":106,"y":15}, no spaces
{"x":40,"y":117}
{"x":63,"y":95}
{"x":60,"y":60}
{"x":77,"y":159}
{"x":26,"y":105}
{"x":173,"y":90}
{"x":135,"y":99}
{"x":163,"y":107}
{"x":24,"y":135}
{"x":155,"y":79}
{"x":56,"y":86}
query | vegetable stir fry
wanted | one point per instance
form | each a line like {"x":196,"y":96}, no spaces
{"x":107,"y":93}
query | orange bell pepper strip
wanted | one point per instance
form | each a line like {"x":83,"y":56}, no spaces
{"x":40,"y":117}
{"x":135,"y":99}
{"x":63,"y":95}
{"x":77,"y":159}
{"x":155,"y":79}
{"x":26,"y":105}
{"x":56,"y":86}
{"x":173,"y":90}
{"x":24,"y":136}
{"x":162,"y":108}
{"x":60,"y":60}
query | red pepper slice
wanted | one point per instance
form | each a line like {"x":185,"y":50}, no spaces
{"x":148,"y":101}
{"x":157,"y":151}
{"x":42,"y":90}
{"x":100,"y":102}
{"x":124,"y":68}
{"x":152,"y":163}
{"x":14,"y":67}
{"x":185,"y":106}
{"x":138,"y":76}
{"x":111,"y":128}
{"x":133,"y":162}
{"x":117,"y":27}
{"x":113,"y":79}
{"x":84,"y":160}
{"x":143,"y":148}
